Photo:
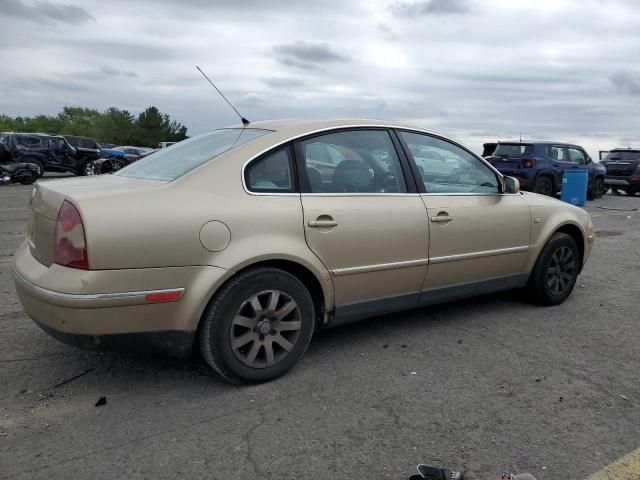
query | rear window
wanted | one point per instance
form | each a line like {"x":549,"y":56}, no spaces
{"x":512,"y":150}
{"x":623,"y":155}
{"x":174,"y":161}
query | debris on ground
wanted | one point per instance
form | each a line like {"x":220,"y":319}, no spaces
{"x":101,"y":401}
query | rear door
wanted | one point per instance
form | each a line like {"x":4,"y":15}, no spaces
{"x":362,"y":219}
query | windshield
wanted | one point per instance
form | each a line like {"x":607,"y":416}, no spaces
{"x":174,"y":161}
{"x":512,"y":150}
{"x":623,"y":155}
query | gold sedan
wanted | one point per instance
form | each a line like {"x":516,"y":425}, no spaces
{"x":244,"y":241}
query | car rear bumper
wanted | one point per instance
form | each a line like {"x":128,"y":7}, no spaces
{"x":112,"y":309}
{"x":622,"y":181}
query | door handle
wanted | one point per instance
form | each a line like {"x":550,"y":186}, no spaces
{"x":442,"y":217}
{"x":322,"y":223}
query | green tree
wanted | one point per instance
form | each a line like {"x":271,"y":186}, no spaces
{"x":111,"y":126}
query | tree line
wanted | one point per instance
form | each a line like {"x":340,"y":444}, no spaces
{"x":114,"y":125}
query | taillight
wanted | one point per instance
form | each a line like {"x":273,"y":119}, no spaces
{"x":70,"y":247}
{"x":529,"y":163}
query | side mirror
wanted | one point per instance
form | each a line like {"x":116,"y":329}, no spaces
{"x":510,"y":185}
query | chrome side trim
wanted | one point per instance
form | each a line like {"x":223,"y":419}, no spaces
{"x":339,"y":272}
{"x":472,"y":255}
{"x":340,"y":127}
{"x":93,"y":296}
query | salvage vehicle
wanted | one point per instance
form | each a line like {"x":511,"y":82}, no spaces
{"x":24,"y":173}
{"x":234,"y":241}
{"x":539,"y":166}
{"x":116,"y":158}
{"x":51,"y":153}
{"x":623,"y":170}
{"x":134,"y":153}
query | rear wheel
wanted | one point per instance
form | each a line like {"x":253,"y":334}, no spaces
{"x":27,"y":177}
{"x":556,"y":270}
{"x":543,"y":186}
{"x":598,"y":189}
{"x":36,"y":162}
{"x":257,"y":326}
{"x":631,"y":191}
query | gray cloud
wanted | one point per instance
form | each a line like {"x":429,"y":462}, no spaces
{"x":283,"y":82}
{"x":625,"y":82}
{"x":429,"y":7}
{"x":46,"y":12}
{"x":307,"y":55}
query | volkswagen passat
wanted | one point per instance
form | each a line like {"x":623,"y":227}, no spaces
{"x":244,"y":241}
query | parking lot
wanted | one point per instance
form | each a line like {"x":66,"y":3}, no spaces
{"x":488,"y":385}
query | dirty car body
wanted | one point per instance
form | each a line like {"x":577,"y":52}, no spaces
{"x":245,"y":241}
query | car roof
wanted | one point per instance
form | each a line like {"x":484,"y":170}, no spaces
{"x":539,"y":142}
{"x":296,"y":127}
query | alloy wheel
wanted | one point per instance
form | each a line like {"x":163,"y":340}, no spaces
{"x":265,"y":329}
{"x":561,"y":271}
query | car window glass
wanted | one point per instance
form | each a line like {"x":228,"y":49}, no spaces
{"x":271,"y":173}
{"x":447,"y":168}
{"x":576,"y":156}
{"x":172,"y":162}
{"x":558,"y":153}
{"x":355,"y":161}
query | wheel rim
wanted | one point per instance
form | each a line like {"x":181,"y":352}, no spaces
{"x":544,"y":187}
{"x":88,"y":168}
{"x":561,"y":270}
{"x":265,"y":329}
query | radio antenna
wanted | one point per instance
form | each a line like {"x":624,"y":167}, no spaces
{"x":245,"y":122}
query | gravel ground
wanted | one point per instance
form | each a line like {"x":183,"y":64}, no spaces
{"x":488,"y":384}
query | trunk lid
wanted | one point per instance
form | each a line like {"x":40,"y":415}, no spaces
{"x":47,"y":199}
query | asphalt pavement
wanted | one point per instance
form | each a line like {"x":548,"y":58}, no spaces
{"x":488,"y":384}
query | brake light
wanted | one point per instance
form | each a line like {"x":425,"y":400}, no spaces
{"x":529,"y":163}
{"x":70,"y":244}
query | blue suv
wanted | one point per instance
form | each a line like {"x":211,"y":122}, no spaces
{"x":539,"y":165}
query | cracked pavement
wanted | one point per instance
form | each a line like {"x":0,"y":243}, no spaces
{"x":499,"y":384}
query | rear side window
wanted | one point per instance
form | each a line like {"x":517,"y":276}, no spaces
{"x":354,"y":161}
{"x":558,"y":153}
{"x":271,"y":173}
{"x":512,"y":150}
{"x":172,"y":162}
{"x":29,"y":141}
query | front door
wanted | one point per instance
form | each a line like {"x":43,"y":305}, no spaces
{"x":479,"y":237}
{"x":362,"y":222}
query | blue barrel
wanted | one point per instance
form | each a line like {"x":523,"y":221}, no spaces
{"x":574,"y":187}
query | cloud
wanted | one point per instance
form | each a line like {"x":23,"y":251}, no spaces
{"x":283,"y":82}
{"x":46,"y":12}
{"x":625,"y":82}
{"x":307,"y":55}
{"x":429,"y":7}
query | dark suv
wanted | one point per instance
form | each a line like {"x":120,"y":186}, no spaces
{"x":51,"y":153}
{"x":539,"y":165}
{"x":623,"y":170}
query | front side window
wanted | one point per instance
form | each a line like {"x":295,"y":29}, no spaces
{"x":170,"y":163}
{"x":354,"y":161}
{"x":577,"y":156}
{"x":447,"y":168}
{"x":271,"y":173}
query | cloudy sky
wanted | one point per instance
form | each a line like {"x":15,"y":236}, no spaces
{"x":475,"y":70}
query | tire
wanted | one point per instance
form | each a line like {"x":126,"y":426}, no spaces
{"x":631,"y":191}
{"x":36,"y":162}
{"x":27,"y":178}
{"x":598,"y":189}
{"x":553,"y":288}
{"x":231,"y":315}
{"x":544,"y":186}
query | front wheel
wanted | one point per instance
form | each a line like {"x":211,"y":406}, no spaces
{"x":257,"y":326}
{"x":27,"y":177}
{"x":543,"y":186}
{"x":556,"y":270}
